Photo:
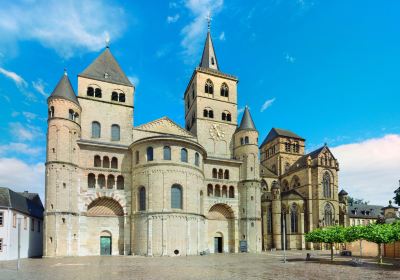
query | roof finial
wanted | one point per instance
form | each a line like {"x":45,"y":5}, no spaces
{"x":107,"y":40}
{"x":65,"y":72}
{"x":209,"y":19}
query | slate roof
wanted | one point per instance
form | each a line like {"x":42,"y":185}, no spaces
{"x":365,"y":211}
{"x":106,"y":68}
{"x":343,"y":192}
{"x":277,"y":132}
{"x":27,"y":203}
{"x":247,"y":121}
{"x":209,"y":54}
{"x":302,"y":161}
{"x":64,"y":90}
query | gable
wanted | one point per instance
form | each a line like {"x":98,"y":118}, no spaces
{"x":165,"y":126}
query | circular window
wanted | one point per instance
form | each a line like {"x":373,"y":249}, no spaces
{"x":176,"y":252}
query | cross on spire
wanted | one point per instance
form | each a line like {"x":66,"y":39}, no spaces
{"x":107,"y":41}
{"x":209,"y":19}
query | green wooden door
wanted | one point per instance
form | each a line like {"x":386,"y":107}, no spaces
{"x":105,"y":245}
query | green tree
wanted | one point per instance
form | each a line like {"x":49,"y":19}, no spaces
{"x":328,"y":235}
{"x":380,"y":234}
{"x":353,"y":200}
{"x":397,"y":196}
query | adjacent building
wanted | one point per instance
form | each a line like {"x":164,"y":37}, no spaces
{"x":364,"y":214}
{"x":23,"y":212}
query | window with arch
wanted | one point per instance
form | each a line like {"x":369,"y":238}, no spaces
{"x":115,"y":132}
{"x":241,"y":141}
{"x":228,"y":117}
{"x":142,"y":198}
{"x":114,"y":96}
{"x":167,"y":153}
{"x":150,"y":153}
{"x":96,"y":129}
{"x":295,"y":182}
{"x":328,"y":214}
{"x":120,"y":182}
{"x":101,"y":181}
{"x":217,"y":191}
{"x":210,"y":190}
{"x":91,"y":181}
{"x":224,"y":90}
{"x":212,"y":60}
{"x":90,"y":91}
{"x":293,"y":218}
{"x":209,"y":87}
{"x":273,"y":168}
{"x":224,"y":191}
{"x":176,"y":196}
{"x":215,"y":173}
{"x":196,"y":159}
{"x":231,"y":192}
{"x":326,"y":185}
{"x":137,"y":157}
{"x":106,"y":162}
{"x":110,"y":182}
{"x":226,"y":174}
{"x":246,"y":140}
{"x":97,"y":93}
{"x":114,"y":163}
{"x":184,"y":155}
{"x":220,"y":174}
{"x":223,"y":117}
{"x":285,"y":185}
{"x":71,"y":114}
{"x":121,"y":97}
{"x":51,"y":112}
{"x":97,"y":161}
{"x":264,"y":186}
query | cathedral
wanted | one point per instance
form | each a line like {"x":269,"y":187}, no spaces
{"x":159,"y":189}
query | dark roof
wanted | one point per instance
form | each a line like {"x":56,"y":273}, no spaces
{"x":64,"y":90}
{"x":27,"y":203}
{"x":106,"y":68}
{"x":247,"y":121}
{"x":365,"y":211}
{"x":209,"y":55}
{"x":277,"y":132}
{"x":343,"y":192}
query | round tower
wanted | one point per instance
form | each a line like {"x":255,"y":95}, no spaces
{"x":62,"y":183}
{"x":276,"y":216}
{"x":246,"y":149}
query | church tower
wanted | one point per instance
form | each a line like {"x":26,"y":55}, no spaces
{"x":62,"y":172}
{"x":211,"y":104}
{"x":249,"y":187}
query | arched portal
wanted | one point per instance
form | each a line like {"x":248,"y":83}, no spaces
{"x":221,"y":229}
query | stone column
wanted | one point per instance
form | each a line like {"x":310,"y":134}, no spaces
{"x":149,"y":236}
{"x":288,"y":231}
{"x":301,"y":228}
{"x":276,"y":225}
{"x":164,"y":236}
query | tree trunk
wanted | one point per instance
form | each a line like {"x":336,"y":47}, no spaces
{"x":380,"y":253}
{"x":331,"y":252}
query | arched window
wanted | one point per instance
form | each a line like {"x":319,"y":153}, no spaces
{"x":184,"y":155}
{"x":196,"y":159}
{"x":96,"y":130}
{"x":142,"y":198}
{"x":246,"y":140}
{"x":215,"y":173}
{"x":176,"y":196}
{"x":114,"y":163}
{"x":76,"y":117}
{"x":97,"y":93}
{"x":71,"y":114}
{"x":224,"y":191}
{"x":231,"y":192}
{"x":137,"y":158}
{"x":91,"y":181}
{"x":114,"y":96}
{"x":211,"y":114}
{"x":223,"y":117}
{"x":90,"y":91}
{"x":51,"y":112}
{"x":167,"y":153}
{"x":293,"y":218}
{"x":210,"y":190}
{"x":101,"y":180}
{"x":120,"y":183}
{"x":122,"y":97}
{"x":205,"y":113}
{"x":208,"y":87}
{"x":326,"y":184}
{"x":110,"y":181}
{"x":226,"y":174}
{"x":220,"y":174}
{"x":217,"y":191}
{"x":295,"y":182}
{"x":241,"y":141}
{"x":285,"y":185}
{"x":97,"y":161}
{"x":228,"y":117}
{"x":149,"y":153}
{"x":287,"y":166}
{"x":264,"y":186}
{"x":115,"y":132}
{"x":328,"y":214}
{"x":106,"y":162}
{"x":224,"y":90}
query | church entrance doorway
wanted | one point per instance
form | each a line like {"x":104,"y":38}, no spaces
{"x":218,"y":244}
{"x":105,"y":245}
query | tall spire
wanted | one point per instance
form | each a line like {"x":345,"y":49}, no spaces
{"x":209,"y":59}
{"x":247,"y":121}
{"x":64,"y":89}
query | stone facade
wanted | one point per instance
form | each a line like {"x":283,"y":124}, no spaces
{"x":161,"y":190}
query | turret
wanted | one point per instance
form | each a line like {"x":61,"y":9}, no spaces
{"x":246,"y":150}
{"x":62,"y":184}
{"x":276,"y":216}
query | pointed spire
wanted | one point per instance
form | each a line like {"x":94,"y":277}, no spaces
{"x":106,"y":68}
{"x":64,"y":89}
{"x":247,"y":121}
{"x":209,"y":58}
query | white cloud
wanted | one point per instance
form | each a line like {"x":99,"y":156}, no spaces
{"x":25,"y":132}
{"x":134,"y":80}
{"x":39,"y":85}
{"x":267,"y":104}
{"x":172,"y":19}
{"x":193,"y":33}
{"x":65,"y":26}
{"x":20,"y":148}
{"x":222,"y":36}
{"x":21,"y":176}
{"x":17,"y":79}
{"x":289,"y":58}
{"x":370,"y":169}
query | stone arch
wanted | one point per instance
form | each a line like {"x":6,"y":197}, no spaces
{"x":105,"y":206}
{"x":221,"y":228}
{"x":220,"y":211}
{"x":295,"y":182}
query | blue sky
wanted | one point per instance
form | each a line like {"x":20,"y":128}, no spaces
{"x":327,"y":70}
